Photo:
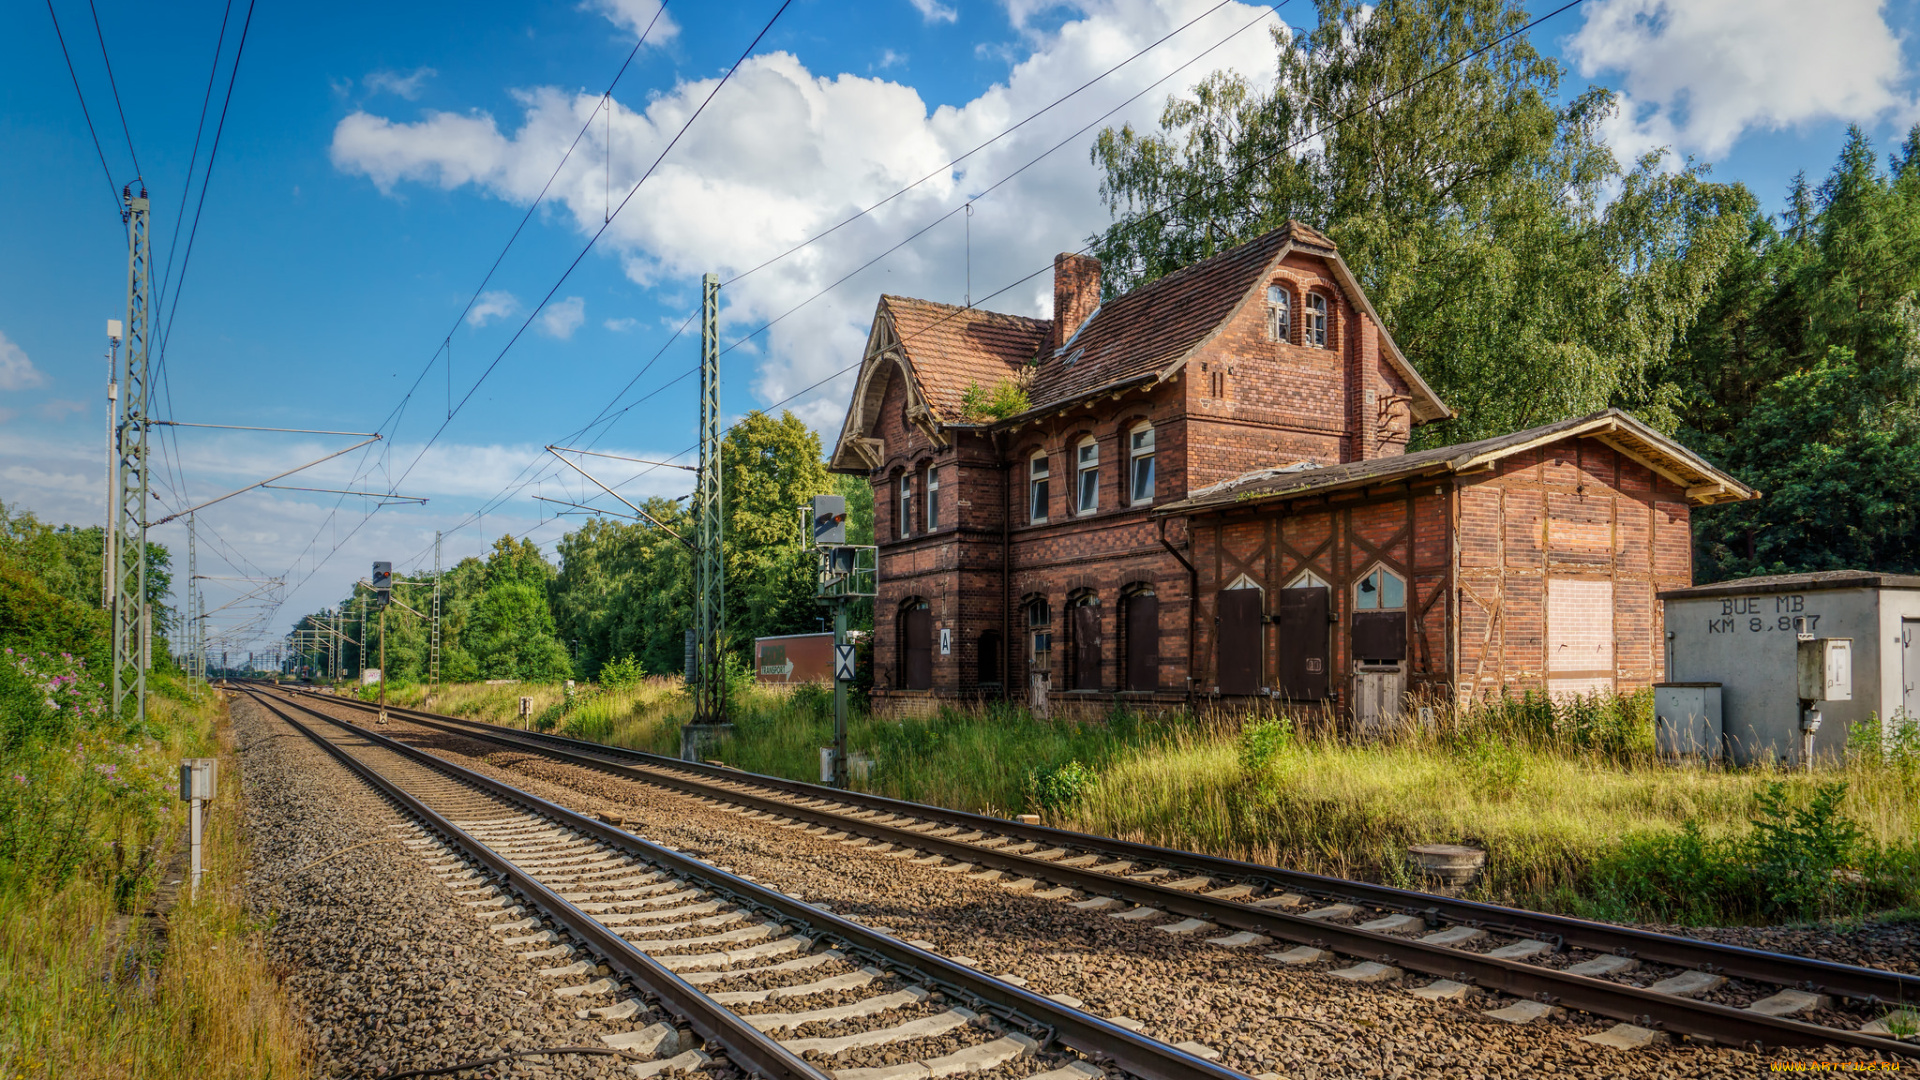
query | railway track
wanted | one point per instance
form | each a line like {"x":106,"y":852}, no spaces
{"x":702,"y":968}
{"x":1653,"y":983}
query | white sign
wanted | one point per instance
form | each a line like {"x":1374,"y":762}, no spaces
{"x":946,"y":641}
{"x":843,"y":663}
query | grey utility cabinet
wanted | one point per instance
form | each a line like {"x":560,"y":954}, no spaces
{"x":1745,"y":635}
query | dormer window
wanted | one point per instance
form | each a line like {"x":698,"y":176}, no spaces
{"x":1315,"y":331}
{"x":1279,"y":314}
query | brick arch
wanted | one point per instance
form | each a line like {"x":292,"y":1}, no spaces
{"x":1296,"y":304}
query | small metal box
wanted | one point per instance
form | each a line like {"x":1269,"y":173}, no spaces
{"x":199,"y":778}
{"x":1826,"y":669}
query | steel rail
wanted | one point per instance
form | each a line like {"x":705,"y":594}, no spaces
{"x":746,"y":1045}
{"x":1870,"y":985}
{"x":1098,"y":1039}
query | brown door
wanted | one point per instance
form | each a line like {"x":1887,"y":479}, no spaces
{"x":919,"y":648}
{"x":1143,"y":642}
{"x":1304,"y":637}
{"x":1086,"y":647}
{"x":1238,"y":648}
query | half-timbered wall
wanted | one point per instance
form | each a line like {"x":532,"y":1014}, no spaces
{"x":1562,"y":549}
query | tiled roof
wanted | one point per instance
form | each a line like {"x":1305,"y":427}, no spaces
{"x":951,"y":347}
{"x":1619,"y":429}
{"x":1160,"y":322}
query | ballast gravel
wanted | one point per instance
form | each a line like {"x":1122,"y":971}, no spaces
{"x":386,"y":965}
{"x":1293,"y":1021}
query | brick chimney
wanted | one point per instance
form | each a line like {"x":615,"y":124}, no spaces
{"x":1076,"y":292}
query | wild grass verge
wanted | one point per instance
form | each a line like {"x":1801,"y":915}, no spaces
{"x":83,"y":995}
{"x":1575,"y":811}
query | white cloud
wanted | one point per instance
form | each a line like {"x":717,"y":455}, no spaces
{"x":562,"y":317}
{"x":16,"y":369}
{"x":1696,"y":75}
{"x":785,"y":153}
{"x":392,"y":82}
{"x":60,"y":408}
{"x":933,"y":11}
{"x":634,"y":16}
{"x":889,"y":59}
{"x":493,"y":304}
{"x":620,"y":326}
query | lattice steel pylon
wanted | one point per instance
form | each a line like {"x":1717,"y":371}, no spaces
{"x":433,"y":647}
{"x":709,"y":563}
{"x":195,"y":671}
{"x":129,"y":512}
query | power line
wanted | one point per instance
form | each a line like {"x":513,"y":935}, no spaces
{"x":113,"y":189}
{"x":115,"y":87}
{"x":206,"y":100}
{"x":948,"y":167}
{"x":745,"y":53}
{"x":206,"y":180}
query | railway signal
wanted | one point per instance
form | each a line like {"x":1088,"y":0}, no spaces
{"x":847,"y":572}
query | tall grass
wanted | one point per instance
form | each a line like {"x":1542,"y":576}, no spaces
{"x":81,"y":995}
{"x":1567,"y":798}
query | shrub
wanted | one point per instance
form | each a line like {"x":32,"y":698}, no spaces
{"x":1003,"y":399}
{"x":1055,"y":788}
{"x":1262,"y":741}
{"x":622,"y":674}
{"x":1800,"y":856}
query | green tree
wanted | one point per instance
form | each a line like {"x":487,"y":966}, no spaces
{"x":1803,"y":377}
{"x":771,"y":469}
{"x":1527,"y":274}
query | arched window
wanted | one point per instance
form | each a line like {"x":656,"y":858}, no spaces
{"x":1279,"y":314}
{"x":1140,"y":612}
{"x":1316,"y":327}
{"x":1379,"y":617}
{"x":1037,"y":487}
{"x":1140,"y":448}
{"x":906,"y":505}
{"x":916,"y":644}
{"x":1084,"y":622}
{"x":1040,"y":635}
{"x":1380,"y":590}
{"x":1087,"y":475}
{"x":933,"y":499}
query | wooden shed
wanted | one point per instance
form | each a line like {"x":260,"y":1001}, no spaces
{"x":1524,"y":562}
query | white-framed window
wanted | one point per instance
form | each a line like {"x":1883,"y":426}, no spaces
{"x":1140,"y":454}
{"x":1279,"y":314}
{"x":1380,"y":590}
{"x":906,"y":505}
{"x":1037,"y":487}
{"x":933,"y":499}
{"x":1316,"y":327}
{"x":1087,"y":473}
{"x":1040,"y":635}
{"x":1307,"y":579}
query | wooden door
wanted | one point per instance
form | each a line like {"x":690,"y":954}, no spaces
{"x":1377,"y":700}
{"x":1237,"y":640}
{"x":1305,"y":637}
{"x":918,"y":645}
{"x":1143,"y":642}
{"x":1086,"y":647}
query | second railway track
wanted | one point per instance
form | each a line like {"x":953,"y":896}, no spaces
{"x":729,"y":973}
{"x":1750,"y":997}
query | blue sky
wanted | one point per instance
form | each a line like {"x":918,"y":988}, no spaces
{"x":374,"y":161}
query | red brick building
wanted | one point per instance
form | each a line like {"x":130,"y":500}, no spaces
{"x":1211,"y":463}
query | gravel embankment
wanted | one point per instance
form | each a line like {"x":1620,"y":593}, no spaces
{"x":388,"y":970}
{"x":1264,"y":1017}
